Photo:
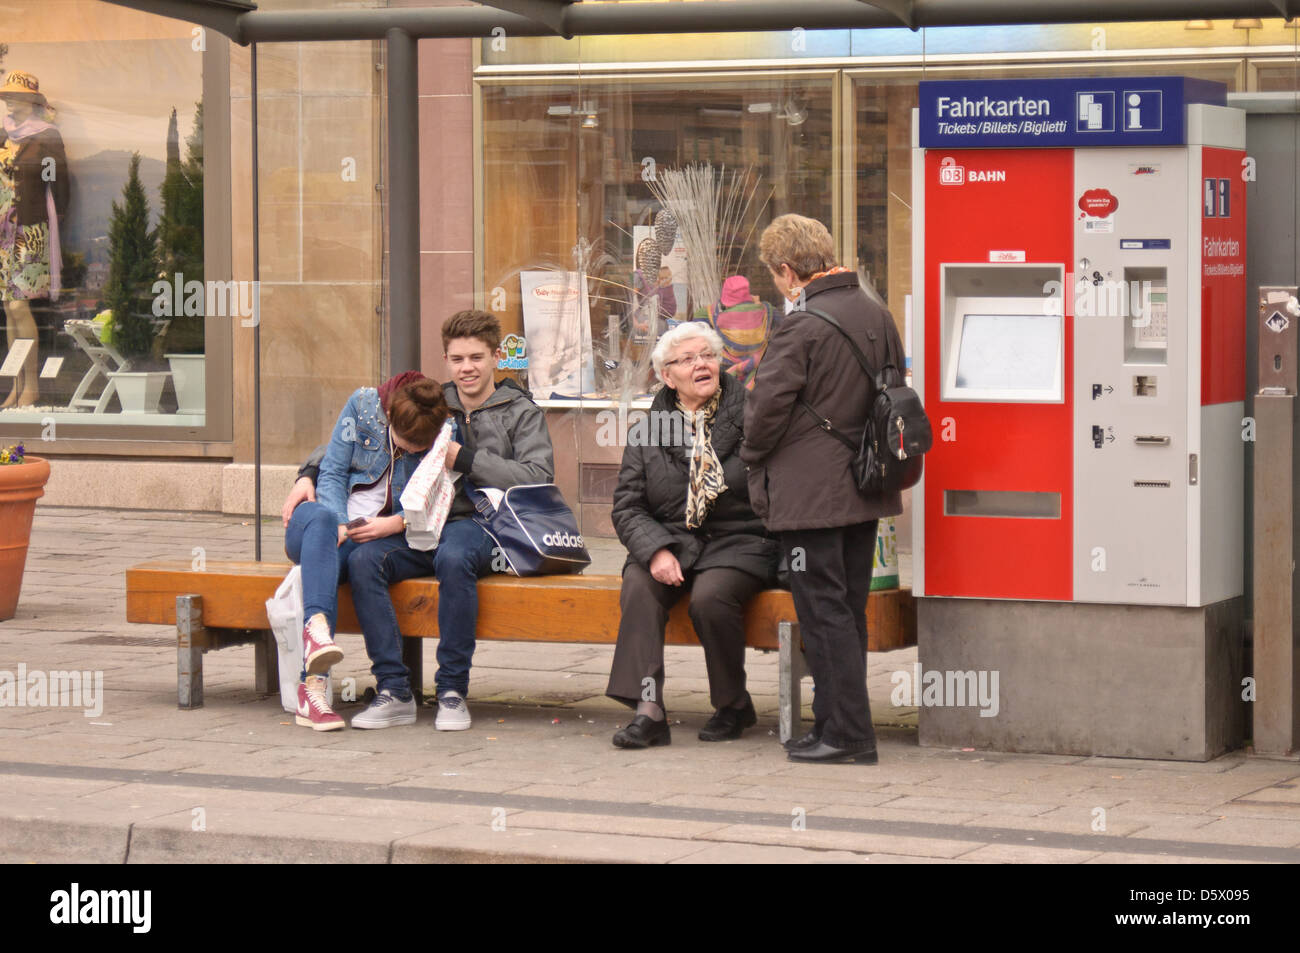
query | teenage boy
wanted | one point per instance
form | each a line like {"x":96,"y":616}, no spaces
{"x":500,"y":441}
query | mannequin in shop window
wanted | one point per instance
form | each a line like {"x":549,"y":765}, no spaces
{"x":33,"y":198}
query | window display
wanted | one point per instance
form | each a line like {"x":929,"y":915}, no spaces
{"x":33,"y":197}
{"x":101,"y":221}
{"x":657,"y":194}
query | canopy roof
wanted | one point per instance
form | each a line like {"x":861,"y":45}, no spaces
{"x":244,"y":23}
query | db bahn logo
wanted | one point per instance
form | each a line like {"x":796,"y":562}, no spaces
{"x":950,"y":173}
{"x":565,"y":540}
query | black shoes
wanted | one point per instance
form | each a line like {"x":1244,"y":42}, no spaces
{"x":802,"y":744}
{"x":644,"y":732}
{"x":728,"y":723}
{"x":822,"y":753}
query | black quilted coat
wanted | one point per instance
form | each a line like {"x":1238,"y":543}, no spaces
{"x":650,"y":500}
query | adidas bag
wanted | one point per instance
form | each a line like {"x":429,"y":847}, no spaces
{"x":533,"y":528}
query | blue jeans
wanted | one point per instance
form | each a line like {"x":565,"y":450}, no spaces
{"x":464,"y":554}
{"x":312,"y":541}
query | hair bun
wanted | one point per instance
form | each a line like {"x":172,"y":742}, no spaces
{"x":427,"y":394}
{"x":418,"y":410}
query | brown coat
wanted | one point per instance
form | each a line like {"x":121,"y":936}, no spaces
{"x":31,"y":178}
{"x":800,"y":477}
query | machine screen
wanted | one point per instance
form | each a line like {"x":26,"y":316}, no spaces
{"x":1014,"y":354}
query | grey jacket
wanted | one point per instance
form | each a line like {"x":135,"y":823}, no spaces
{"x":508,"y":444}
{"x":311,"y":466}
{"x":504,"y":443}
{"x":800,"y":477}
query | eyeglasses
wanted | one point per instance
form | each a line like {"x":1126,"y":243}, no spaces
{"x":690,"y":360}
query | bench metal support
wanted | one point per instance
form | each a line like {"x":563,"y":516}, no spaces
{"x":190,"y":639}
{"x":791,"y":671}
{"x":193,"y":638}
{"x":266,"y":661}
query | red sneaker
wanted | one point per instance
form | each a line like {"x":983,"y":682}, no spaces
{"x":313,"y":712}
{"x":319,"y":653}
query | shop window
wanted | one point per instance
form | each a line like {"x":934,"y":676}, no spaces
{"x":883,"y":178}
{"x":1278,"y":76}
{"x":101,"y":219}
{"x":575,"y":182}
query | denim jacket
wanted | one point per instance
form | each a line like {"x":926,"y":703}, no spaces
{"x":357,"y":455}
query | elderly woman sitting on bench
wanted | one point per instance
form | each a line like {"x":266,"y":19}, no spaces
{"x":682,"y":510}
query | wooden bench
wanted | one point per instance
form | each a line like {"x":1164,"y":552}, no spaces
{"x":225,"y":604}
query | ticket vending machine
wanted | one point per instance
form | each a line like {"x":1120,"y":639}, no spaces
{"x":1079,"y":285}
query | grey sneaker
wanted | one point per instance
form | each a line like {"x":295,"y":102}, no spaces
{"x":453,"y":713}
{"x":386,"y":711}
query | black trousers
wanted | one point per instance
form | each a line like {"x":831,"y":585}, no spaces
{"x":830,"y":577}
{"x":717,"y":612}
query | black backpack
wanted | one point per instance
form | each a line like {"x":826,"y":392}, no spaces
{"x":889,"y":457}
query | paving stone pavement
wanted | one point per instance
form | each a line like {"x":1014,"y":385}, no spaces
{"x":536,"y":778}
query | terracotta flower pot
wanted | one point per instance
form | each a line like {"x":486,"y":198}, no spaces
{"x":21,"y":485}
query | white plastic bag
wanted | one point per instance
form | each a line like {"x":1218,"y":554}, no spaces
{"x":426,"y":499}
{"x":284,"y":612}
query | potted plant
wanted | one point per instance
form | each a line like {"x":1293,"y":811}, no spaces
{"x":22,"y":483}
{"x":180,"y":249}
{"x":132,"y":270}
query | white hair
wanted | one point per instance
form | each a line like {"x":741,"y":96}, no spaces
{"x":684,"y":332}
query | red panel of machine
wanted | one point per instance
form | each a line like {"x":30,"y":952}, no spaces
{"x":1223,"y":277}
{"x":1004,"y":201}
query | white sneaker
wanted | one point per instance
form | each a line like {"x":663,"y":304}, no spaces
{"x":386,"y":711}
{"x":453,"y":713}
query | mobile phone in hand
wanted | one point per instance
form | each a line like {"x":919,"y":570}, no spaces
{"x":359,"y":522}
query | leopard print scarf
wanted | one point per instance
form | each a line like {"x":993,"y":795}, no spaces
{"x":707,"y":482}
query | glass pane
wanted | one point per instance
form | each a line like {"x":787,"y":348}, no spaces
{"x":883,"y":174}
{"x":530,"y":189}
{"x":1276,"y":76}
{"x":680,"y":179}
{"x":101,"y":219}
{"x":577,"y":175}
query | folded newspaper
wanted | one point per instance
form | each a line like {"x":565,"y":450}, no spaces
{"x":426,"y":500}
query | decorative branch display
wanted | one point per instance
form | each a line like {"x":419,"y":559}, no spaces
{"x":709,"y":207}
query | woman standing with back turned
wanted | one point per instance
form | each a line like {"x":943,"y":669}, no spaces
{"x":800,"y":477}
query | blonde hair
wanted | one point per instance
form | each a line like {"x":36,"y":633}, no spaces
{"x":802,"y":243}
